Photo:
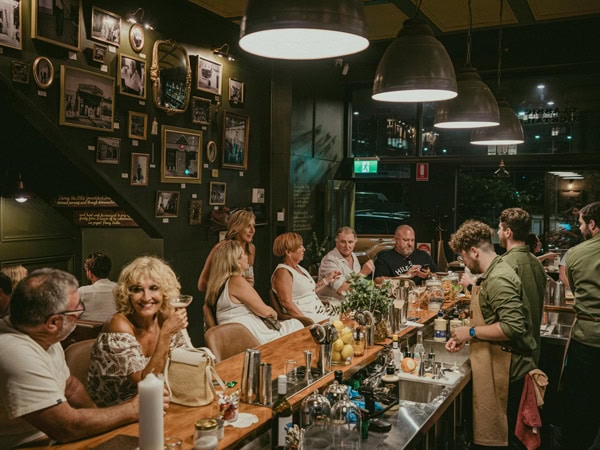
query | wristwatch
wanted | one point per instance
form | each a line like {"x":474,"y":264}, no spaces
{"x":472,"y":332}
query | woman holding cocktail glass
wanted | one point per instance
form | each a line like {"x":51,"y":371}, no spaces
{"x":137,"y":339}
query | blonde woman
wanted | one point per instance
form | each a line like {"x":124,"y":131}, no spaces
{"x":137,"y":340}
{"x":234,"y":300}
{"x":295,"y":287}
{"x":240,"y":228}
{"x":16,"y":272}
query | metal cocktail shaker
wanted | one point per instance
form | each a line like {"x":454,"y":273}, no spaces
{"x":265,"y":394}
{"x":250,"y":376}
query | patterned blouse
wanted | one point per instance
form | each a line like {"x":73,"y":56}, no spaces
{"x":114,"y":357}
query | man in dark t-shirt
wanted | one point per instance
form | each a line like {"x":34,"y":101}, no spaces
{"x":403,"y":259}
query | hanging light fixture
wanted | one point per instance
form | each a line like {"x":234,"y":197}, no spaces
{"x":510,"y":130}
{"x":415,"y":67}
{"x":307,"y":29}
{"x":501,"y":172}
{"x":21,"y":195}
{"x":475,"y":106}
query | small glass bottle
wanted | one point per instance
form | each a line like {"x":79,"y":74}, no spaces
{"x":396,"y":352}
{"x":419,"y":350}
{"x":282,"y":415}
{"x":359,"y":342}
{"x":206,"y":436}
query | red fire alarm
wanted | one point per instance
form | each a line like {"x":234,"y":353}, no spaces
{"x":422,"y":172}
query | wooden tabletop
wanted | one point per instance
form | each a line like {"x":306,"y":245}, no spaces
{"x":179,"y":420}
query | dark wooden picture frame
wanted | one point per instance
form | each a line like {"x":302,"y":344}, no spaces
{"x":99,"y":53}
{"x":236,"y":92}
{"x":59,"y":27}
{"x":106,"y":26}
{"x":195,"y":212}
{"x":236,"y":133}
{"x":132,"y":76}
{"x":200,"y":110}
{"x":108,"y":150}
{"x":12,"y":35}
{"x":181,"y":155}
{"x":139,"y":169}
{"x":218,"y":193}
{"x":20,"y":72}
{"x":167,"y":204}
{"x":87,"y":99}
{"x":137,"y":125}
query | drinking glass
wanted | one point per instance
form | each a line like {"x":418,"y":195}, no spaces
{"x":172,"y":443}
{"x":182,"y":301}
{"x":291,"y":370}
{"x":249,"y":275}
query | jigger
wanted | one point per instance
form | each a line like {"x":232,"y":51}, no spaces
{"x":307,"y":373}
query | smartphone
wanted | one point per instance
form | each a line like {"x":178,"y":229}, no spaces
{"x":425,"y":267}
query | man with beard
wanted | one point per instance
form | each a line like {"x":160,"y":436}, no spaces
{"x":39,"y":398}
{"x":582,"y":392}
{"x":501,"y":340}
{"x":513,"y":230}
{"x":342,"y":259}
{"x":403,"y":259}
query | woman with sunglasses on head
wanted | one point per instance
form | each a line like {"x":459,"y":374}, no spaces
{"x":240,"y":228}
{"x":138,"y":338}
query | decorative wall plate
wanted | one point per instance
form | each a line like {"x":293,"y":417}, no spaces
{"x":211,"y":151}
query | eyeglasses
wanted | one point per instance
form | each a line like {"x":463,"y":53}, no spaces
{"x":73,"y":312}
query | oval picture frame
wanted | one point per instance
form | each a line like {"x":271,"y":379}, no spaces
{"x":43,"y":72}
{"x":136,"y":37}
{"x":211,"y":151}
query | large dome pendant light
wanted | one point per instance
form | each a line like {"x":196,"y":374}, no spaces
{"x":415,"y":67}
{"x":510,"y":130}
{"x":475,"y":106}
{"x":303,"y":29}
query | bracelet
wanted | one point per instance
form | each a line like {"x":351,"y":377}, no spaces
{"x":325,"y":282}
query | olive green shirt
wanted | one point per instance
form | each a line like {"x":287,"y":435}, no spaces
{"x":533,"y":280}
{"x":500,"y":301}
{"x":583,"y":271}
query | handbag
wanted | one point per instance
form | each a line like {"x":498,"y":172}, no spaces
{"x":189,"y":376}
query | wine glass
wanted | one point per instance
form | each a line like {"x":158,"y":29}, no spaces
{"x":182,"y":301}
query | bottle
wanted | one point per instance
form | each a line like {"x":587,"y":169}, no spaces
{"x":419,"y":350}
{"x":396,"y":352}
{"x":282,"y":415}
{"x":439,"y":326}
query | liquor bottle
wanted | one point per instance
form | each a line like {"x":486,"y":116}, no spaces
{"x":282,"y":415}
{"x":396,"y":352}
{"x":419,"y":351}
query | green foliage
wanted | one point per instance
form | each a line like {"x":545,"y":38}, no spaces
{"x":315,"y":250}
{"x":364,"y":295}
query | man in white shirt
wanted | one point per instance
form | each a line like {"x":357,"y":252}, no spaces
{"x":98,"y":297}
{"x":343,"y":260}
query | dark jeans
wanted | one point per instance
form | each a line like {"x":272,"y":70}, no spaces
{"x":581,"y":397}
{"x":515,"y":390}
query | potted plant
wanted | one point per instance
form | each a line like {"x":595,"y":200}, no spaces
{"x":314,"y":252}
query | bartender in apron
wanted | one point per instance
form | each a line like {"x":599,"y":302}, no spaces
{"x":500,"y":337}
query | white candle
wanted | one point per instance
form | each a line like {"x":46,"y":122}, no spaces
{"x":151,"y":413}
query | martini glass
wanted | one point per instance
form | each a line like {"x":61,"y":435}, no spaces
{"x":182,"y":301}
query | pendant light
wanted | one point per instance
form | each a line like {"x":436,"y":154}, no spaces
{"x":306,"y":29}
{"x":475,"y":106}
{"x":510,"y":130}
{"x":415,"y":67}
{"x":21,"y":195}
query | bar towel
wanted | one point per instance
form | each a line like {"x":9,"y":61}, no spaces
{"x":528,"y":419}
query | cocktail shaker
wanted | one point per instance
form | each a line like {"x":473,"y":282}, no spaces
{"x":250,"y":376}
{"x":265,"y":394}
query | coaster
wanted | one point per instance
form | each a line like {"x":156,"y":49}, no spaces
{"x":244,"y":420}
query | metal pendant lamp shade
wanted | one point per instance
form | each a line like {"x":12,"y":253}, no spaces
{"x":509,"y":132}
{"x":415,"y":67}
{"x":303,"y":29}
{"x":475,"y":106}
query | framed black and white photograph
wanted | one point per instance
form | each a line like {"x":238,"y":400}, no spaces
{"x":181,"y":156}
{"x":218,"y":193}
{"x":200,"y":111}
{"x":139,"y":169}
{"x":87,"y":99}
{"x":133,"y":76}
{"x":56,"y":22}
{"x":211,"y":151}
{"x":20,"y":72}
{"x":236,"y":91}
{"x":108,"y":150}
{"x":11,"y":29}
{"x":210,"y":76}
{"x":99,"y":53}
{"x":106,"y":26}
{"x":236,"y":131}
{"x":136,"y":37}
{"x":138,"y":125}
{"x":195,"y":212}
{"x":167,"y":204}
{"x":43,"y":72}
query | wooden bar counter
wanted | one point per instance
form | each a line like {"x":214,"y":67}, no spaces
{"x":179,"y":420}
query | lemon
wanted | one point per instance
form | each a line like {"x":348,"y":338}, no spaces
{"x":338,"y":324}
{"x":336,"y":356}
{"x":338,"y":345}
{"x":347,"y":351}
{"x":347,"y":338}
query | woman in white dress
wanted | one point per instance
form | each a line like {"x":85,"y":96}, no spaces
{"x":235,"y":300}
{"x":295,"y":287}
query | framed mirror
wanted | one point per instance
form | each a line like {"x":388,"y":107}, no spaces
{"x":171,"y":76}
